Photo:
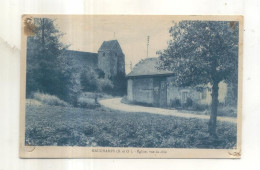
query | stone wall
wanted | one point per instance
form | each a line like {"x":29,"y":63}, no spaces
{"x":148,"y":89}
{"x":142,"y":89}
{"x":200,"y":97}
{"x":111,"y":62}
{"x":130,"y":96}
{"x":104,"y":62}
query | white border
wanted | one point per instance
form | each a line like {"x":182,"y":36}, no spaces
{"x":9,"y":79}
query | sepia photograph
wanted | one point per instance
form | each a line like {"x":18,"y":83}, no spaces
{"x":131,"y":86}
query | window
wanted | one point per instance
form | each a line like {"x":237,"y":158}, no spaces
{"x":104,"y":54}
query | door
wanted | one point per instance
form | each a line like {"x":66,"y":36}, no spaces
{"x":184,"y":96}
{"x":163,"y":93}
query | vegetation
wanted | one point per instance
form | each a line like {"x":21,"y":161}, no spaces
{"x":49,"y":100}
{"x":119,"y":85}
{"x":44,"y":72}
{"x":67,"y":126}
{"x":88,"y":100}
{"x":94,"y":81}
{"x":202,"y":53}
{"x":195,"y":108}
{"x":49,"y":70}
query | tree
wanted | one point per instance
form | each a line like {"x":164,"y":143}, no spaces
{"x":120,"y":84}
{"x":92,"y":80}
{"x":202,"y":53}
{"x":44,"y":50}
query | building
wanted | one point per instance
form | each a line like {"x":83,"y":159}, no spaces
{"x":148,"y":85}
{"x":111,"y":58}
{"x":81,"y":60}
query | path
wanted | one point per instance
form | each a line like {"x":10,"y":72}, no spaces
{"x":115,"y":103}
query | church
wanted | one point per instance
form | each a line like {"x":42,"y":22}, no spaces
{"x":109,"y":58}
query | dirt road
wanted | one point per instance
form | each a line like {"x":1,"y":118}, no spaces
{"x":116,"y":104}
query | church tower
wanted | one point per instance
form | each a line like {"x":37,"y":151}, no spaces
{"x":111,"y":58}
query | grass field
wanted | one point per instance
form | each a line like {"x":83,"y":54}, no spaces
{"x":68,"y":126}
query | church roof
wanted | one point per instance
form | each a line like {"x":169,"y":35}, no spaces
{"x":148,"y":67}
{"x":109,"y":45}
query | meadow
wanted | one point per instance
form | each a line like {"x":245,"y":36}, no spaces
{"x":68,"y":126}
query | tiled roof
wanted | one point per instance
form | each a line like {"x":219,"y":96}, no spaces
{"x":108,"y":45}
{"x":148,"y":67}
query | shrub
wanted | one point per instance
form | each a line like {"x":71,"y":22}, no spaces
{"x":175,"y":103}
{"x":188,"y":103}
{"x":88,"y":100}
{"x":199,"y":107}
{"x":227,"y":111}
{"x":119,"y":85}
{"x":93,"y":80}
{"x":33,"y":102}
{"x":49,"y":99}
{"x":105,"y":85}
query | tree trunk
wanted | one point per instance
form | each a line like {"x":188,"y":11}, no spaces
{"x":214,"y":110}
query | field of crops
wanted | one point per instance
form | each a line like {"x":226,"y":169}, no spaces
{"x":68,"y":126}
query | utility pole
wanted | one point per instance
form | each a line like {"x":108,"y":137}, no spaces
{"x":148,"y":39}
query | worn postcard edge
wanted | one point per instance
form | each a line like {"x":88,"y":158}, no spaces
{"x":119,"y":152}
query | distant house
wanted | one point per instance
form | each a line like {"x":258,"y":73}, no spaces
{"x":148,"y":85}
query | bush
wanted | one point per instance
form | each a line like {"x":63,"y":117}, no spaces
{"x":105,"y":85}
{"x":49,"y":99}
{"x":119,"y":85}
{"x":188,"y":103}
{"x":88,"y":100}
{"x":227,"y":111}
{"x":175,"y":103}
{"x":199,"y":107}
{"x":92,"y":81}
{"x":33,"y":102}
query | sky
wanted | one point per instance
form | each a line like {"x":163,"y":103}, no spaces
{"x":86,"y":33}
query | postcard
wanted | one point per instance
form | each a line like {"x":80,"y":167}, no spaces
{"x":131,"y":86}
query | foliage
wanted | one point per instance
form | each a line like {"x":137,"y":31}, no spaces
{"x":92,"y":81}
{"x":227,"y":111}
{"x":50,"y":125}
{"x":43,"y":52}
{"x":100,"y":73}
{"x":71,"y":82}
{"x":88,"y":100}
{"x":188,"y":103}
{"x":231,"y":97}
{"x":120,"y":84}
{"x":33,"y":102}
{"x":175,"y":103}
{"x":199,"y":107}
{"x":49,"y":99}
{"x":203,"y":52}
